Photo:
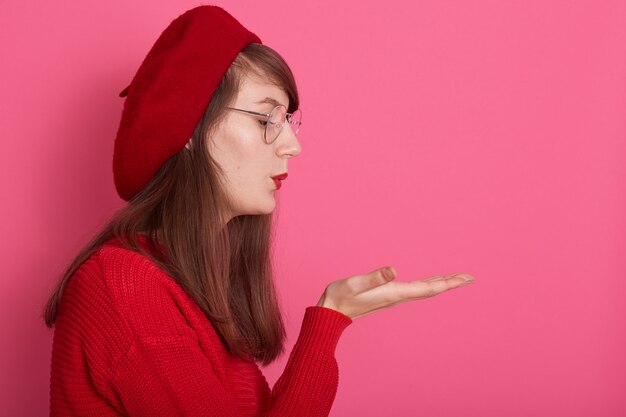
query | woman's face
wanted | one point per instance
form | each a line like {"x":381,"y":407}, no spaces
{"x":249,"y":163}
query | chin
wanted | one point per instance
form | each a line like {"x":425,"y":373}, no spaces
{"x":263,"y":209}
{"x":269,"y":210}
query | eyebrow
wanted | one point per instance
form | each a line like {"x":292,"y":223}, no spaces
{"x":270,"y":100}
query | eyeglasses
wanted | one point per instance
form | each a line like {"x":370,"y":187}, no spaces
{"x":274,"y":121}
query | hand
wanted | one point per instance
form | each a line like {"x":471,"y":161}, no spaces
{"x":361,"y":295}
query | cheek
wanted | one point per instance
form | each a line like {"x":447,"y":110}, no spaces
{"x":241,"y":154}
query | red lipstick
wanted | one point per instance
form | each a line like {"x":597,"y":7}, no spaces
{"x":278,"y":178}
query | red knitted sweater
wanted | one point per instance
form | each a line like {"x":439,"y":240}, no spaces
{"x":129,"y":341}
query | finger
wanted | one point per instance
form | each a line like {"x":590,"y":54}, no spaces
{"x":401,"y":292}
{"x":465,"y":276}
{"x":398,"y":302}
{"x":437,"y":278}
{"x":458,"y":274}
{"x":378,"y":277}
{"x":428,"y":288}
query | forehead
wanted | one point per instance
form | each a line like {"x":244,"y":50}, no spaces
{"x":256,"y":91}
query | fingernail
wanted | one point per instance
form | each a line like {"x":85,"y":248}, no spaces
{"x":389,"y":273}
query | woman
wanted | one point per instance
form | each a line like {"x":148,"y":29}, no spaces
{"x":169,"y":308}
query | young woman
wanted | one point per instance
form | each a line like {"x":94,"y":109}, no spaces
{"x":169,"y":308}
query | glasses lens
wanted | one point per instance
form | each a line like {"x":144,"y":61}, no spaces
{"x":296,"y":121}
{"x":275,"y":123}
{"x":278,"y":118}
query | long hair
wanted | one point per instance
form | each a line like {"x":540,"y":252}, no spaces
{"x":228,"y":270}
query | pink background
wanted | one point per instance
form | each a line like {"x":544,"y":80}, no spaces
{"x":474,"y":136}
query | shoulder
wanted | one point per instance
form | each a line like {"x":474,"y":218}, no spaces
{"x":144,"y":297}
{"x":128,"y":274}
{"x":117,"y":260}
{"x":117,"y":272}
{"x":114,"y":300}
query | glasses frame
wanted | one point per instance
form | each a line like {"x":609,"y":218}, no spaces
{"x":288,"y":117}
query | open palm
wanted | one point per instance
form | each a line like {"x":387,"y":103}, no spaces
{"x":360,"y":295}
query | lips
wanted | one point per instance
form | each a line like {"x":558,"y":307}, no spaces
{"x":278,"y":178}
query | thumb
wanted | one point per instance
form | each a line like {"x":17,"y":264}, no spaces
{"x":376,"y":278}
{"x":388,"y":273}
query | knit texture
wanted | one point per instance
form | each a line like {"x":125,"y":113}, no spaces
{"x":130,"y":342}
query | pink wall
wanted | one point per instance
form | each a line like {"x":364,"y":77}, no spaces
{"x":485,"y":136}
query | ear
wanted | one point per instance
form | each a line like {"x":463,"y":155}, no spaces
{"x":188,"y":144}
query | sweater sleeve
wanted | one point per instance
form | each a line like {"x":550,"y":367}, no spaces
{"x":309,"y":382}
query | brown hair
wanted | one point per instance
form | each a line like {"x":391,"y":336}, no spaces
{"x":226,"y":270}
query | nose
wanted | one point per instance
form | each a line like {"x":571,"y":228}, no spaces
{"x":287,"y":143}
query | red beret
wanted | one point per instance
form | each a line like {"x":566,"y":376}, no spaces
{"x":171,"y":90}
